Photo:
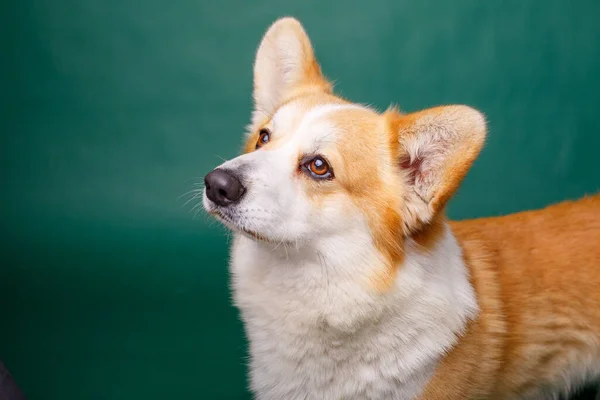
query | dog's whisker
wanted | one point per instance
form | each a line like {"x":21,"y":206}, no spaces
{"x":195,"y":197}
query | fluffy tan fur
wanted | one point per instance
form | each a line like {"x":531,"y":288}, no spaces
{"x":537,"y":277}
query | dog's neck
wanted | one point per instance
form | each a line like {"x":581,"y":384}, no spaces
{"x":328,"y":282}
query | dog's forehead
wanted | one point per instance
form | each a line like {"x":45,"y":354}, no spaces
{"x":312,"y":122}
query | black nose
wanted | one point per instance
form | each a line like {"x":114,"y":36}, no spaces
{"x":222,"y":187}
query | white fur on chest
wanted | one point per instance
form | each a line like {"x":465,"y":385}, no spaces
{"x":317,"y":331}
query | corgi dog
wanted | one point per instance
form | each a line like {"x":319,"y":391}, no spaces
{"x":351,"y":282}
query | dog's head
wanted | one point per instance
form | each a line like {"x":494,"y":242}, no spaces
{"x":316,"y":165}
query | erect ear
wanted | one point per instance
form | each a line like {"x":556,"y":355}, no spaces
{"x":285,"y":66}
{"x":437,"y":147}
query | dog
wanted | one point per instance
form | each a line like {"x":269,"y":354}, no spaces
{"x":352,"y":283}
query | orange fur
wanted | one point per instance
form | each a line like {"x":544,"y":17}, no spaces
{"x":537,"y":277}
{"x":427,"y":236}
{"x":364,"y":181}
{"x":451,"y":121}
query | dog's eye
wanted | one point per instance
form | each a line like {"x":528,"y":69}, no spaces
{"x":319,"y":168}
{"x":263,"y":138}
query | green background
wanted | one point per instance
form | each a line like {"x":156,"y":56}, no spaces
{"x":110,"y":287}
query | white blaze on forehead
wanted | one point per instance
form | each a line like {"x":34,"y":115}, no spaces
{"x":314,"y":114}
{"x":311,"y":125}
{"x":316,"y":129}
{"x":285,"y":118}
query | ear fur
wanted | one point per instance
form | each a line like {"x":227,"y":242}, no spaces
{"x":285,"y":66}
{"x":437,"y":147}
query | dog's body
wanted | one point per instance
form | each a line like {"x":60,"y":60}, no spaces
{"x":536,"y":275}
{"x":353,"y":285}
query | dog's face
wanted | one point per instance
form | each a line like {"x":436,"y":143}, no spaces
{"x":316,"y":166}
{"x":301,"y":175}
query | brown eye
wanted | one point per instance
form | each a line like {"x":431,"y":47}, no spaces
{"x":318,"y":168}
{"x":263,"y":138}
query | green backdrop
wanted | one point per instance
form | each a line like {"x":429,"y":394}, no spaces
{"x":110,"y":287}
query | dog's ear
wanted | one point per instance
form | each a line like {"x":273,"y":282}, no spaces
{"x":285,"y":66}
{"x":436,"y":148}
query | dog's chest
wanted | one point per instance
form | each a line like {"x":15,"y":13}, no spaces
{"x":291,"y":361}
{"x":315,"y":335}
{"x":311,"y":349}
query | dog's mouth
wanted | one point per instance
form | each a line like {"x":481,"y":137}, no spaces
{"x":236,"y":226}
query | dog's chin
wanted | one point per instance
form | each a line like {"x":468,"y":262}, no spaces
{"x":236,"y":227}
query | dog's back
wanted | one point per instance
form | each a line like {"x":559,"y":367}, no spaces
{"x":537,"y":276}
